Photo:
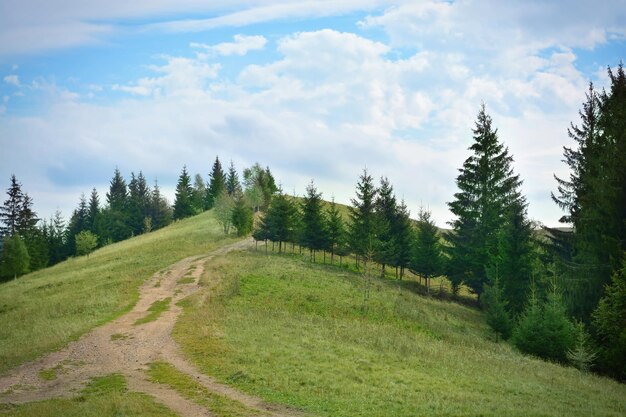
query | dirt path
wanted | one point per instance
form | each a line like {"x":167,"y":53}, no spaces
{"x":123,"y":347}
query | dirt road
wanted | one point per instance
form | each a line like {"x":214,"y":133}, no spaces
{"x":123,"y":347}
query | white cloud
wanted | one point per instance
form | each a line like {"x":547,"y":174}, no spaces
{"x":241,"y":46}
{"x":12,"y":79}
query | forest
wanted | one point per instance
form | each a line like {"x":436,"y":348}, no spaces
{"x":556,"y":293}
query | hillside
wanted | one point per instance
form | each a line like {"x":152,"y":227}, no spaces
{"x":307,"y":335}
{"x":304,"y":335}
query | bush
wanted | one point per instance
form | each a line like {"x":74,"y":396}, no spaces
{"x":86,"y":242}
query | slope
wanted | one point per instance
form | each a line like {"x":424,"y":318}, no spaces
{"x":45,"y":310}
{"x":331,"y":342}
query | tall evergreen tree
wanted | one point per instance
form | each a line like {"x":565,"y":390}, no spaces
{"x":278,"y":223}
{"x":487,"y":188}
{"x":93,"y":213}
{"x":182,"y":203}
{"x":336,"y":231}
{"x":117,"y":197}
{"x":232,"y":180}
{"x":159,"y":209}
{"x":217,"y":183}
{"x":403,"y":235}
{"x":427,"y":259}
{"x":56,"y":239}
{"x":314,"y":231}
{"x":385,"y":207}
{"x":515,"y":257}
{"x":11,"y":211}
{"x":77,"y":223}
{"x":361,"y":228}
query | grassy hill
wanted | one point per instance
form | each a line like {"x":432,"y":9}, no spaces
{"x":295,"y":333}
{"x":43,"y":311}
{"x":309,"y":336}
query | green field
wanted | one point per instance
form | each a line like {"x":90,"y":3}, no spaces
{"x":306,"y":335}
{"x":43,"y":311}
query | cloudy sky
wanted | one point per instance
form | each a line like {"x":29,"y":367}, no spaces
{"x":314,"y":89}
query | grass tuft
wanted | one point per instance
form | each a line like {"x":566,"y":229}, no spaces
{"x":155,"y":311}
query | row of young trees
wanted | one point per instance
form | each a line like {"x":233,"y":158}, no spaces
{"x":376,"y":229}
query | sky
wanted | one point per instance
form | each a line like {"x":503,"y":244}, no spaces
{"x":316,"y":90}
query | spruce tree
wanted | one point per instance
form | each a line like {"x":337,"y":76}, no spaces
{"x":278,"y":223}
{"x":182,"y":203}
{"x":487,"y":188}
{"x":117,"y":197}
{"x":56,"y":239}
{"x":427,"y":259}
{"x":361,"y":229}
{"x":314,"y":231}
{"x":77,"y":223}
{"x":93,"y":212}
{"x":11,"y":211}
{"x":159,"y":209}
{"x":336,"y":230}
{"x":496,"y":311}
{"x":385,"y":207}
{"x":609,"y":321}
{"x":515,"y":256}
{"x":217,"y":183}
{"x":232,"y":180}
{"x":403,"y":236}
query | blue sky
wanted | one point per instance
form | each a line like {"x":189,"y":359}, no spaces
{"x":314,"y":89}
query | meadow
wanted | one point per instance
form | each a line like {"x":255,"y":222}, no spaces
{"x":310,"y":336}
{"x":43,"y":311}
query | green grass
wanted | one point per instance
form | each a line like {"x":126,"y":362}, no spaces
{"x":103,"y":397}
{"x":186,"y":280}
{"x":43,"y":311}
{"x":164,"y":373}
{"x":307,"y":336}
{"x":155,"y":310}
{"x":48,"y":374}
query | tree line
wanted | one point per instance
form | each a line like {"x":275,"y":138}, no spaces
{"x":29,"y":243}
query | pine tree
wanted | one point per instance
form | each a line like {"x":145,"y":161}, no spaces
{"x":184,"y":191}
{"x":544,"y":330}
{"x":278,"y":222}
{"x":403,"y":235}
{"x":232,"y":180}
{"x":495,"y":306}
{"x":15,"y":260}
{"x":362,"y":218}
{"x":336,"y":231}
{"x":117,"y":197}
{"x":11,"y":211}
{"x":515,"y":256}
{"x":77,"y":223}
{"x":56,"y":239}
{"x":314,"y":231}
{"x":487,"y":188}
{"x":138,"y":201}
{"x":427,"y":250}
{"x":159,"y":209}
{"x":93,"y":212}
{"x":609,"y":320}
{"x":385,"y":207}
{"x":217,"y":183}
